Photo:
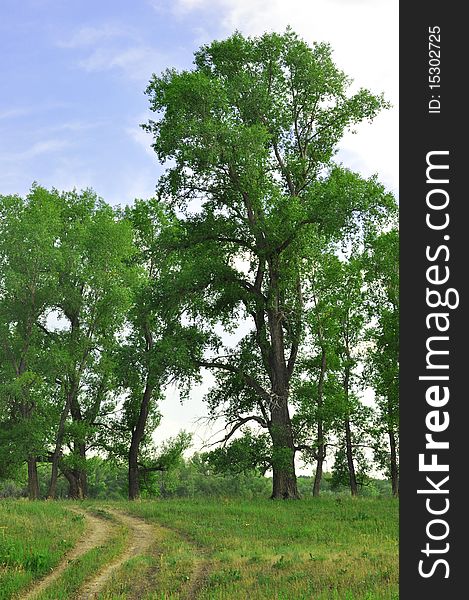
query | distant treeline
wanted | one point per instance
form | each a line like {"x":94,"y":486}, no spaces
{"x":191,"y":479}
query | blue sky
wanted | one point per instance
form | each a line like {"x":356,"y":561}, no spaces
{"x":71,"y":95}
{"x":73,"y":75}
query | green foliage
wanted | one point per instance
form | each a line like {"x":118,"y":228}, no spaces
{"x":340,"y":474}
{"x":251,"y":133}
{"x":260,"y":259}
{"x":196,"y":477}
{"x":247,"y":454}
{"x":28,"y":278}
{"x":382,"y":364}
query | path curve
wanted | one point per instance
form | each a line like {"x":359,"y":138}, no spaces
{"x":97,"y":531}
{"x":142,"y":536}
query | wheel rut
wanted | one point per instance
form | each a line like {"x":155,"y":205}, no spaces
{"x":97,"y":531}
{"x":141,"y":537}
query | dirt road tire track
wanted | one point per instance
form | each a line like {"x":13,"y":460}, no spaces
{"x":202,"y":568}
{"x":142,"y":536}
{"x":97,"y":531}
{"x":200,"y":577}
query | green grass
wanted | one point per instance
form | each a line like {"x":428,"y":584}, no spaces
{"x":313,"y":549}
{"x":34,"y":536}
{"x":165,"y":572}
{"x":71,"y":580}
{"x":321,"y":549}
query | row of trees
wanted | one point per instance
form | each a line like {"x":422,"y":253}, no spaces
{"x":192,"y":477}
{"x":70,"y":285}
{"x":255,"y":235}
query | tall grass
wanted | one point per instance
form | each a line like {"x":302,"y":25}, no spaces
{"x":34,"y":536}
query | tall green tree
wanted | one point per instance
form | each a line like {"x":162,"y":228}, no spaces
{"x":250,"y":133}
{"x":155,"y":347}
{"x":382,"y":267}
{"x":315,"y":387}
{"x":351,"y":320}
{"x":95,"y":248}
{"x":28,"y":279}
{"x":328,"y":386}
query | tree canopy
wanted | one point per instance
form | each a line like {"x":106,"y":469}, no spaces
{"x":261,"y":259}
{"x":251,"y":133}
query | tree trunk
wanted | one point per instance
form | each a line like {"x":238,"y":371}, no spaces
{"x":26,"y":407}
{"x":58,"y":448}
{"x":26,"y":410}
{"x":348,"y":433}
{"x":394,"y":469}
{"x":318,"y":474}
{"x":283,"y":459}
{"x":134,"y":481}
{"x":279,"y":371}
{"x":76,"y":476}
{"x":350,"y":465}
{"x":79,"y":449}
{"x":137,"y":435}
{"x":80,"y":471}
{"x":73,"y":489}
{"x":76,"y":484}
{"x":33,"y":480}
{"x":321,"y":446}
{"x":54,"y":476}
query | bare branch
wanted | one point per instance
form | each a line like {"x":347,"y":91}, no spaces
{"x":239,"y":424}
{"x":307,"y":448}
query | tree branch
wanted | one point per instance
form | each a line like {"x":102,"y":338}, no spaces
{"x":145,"y":469}
{"x":212,"y":364}
{"x":283,"y":168}
{"x":239,"y":424}
{"x":308,"y":448}
{"x":293,"y":235}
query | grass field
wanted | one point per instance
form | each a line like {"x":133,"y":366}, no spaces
{"x":33,"y":539}
{"x":316,"y":549}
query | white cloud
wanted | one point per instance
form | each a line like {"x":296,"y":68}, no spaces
{"x":13,"y":113}
{"x":113,"y":46}
{"x":71,"y":127}
{"x":23,"y":111}
{"x":141,"y":137}
{"x":35,"y":150}
{"x":135,"y":184}
{"x":135,"y":62}
{"x":375,"y":149}
{"x":19,"y":169}
{"x":89,"y":36}
{"x":160,"y":6}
